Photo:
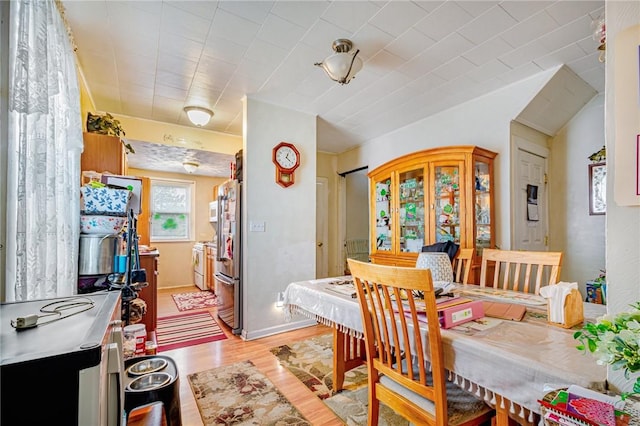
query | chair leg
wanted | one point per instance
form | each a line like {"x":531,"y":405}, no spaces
{"x":374,"y":406}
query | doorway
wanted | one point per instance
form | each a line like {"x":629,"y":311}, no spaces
{"x":322,"y":229}
{"x":356,"y":218}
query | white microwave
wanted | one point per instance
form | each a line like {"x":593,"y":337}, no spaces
{"x":213,"y":211}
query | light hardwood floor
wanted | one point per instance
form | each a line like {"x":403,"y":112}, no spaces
{"x":233,"y":349}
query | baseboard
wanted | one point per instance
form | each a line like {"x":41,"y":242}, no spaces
{"x":282,"y":328}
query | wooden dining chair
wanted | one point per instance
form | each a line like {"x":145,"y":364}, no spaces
{"x":462,"y":265}
{"x":518,"y":270}
{"x":394,"y":338}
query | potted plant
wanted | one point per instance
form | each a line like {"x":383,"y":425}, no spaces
{"x":107,"y":125}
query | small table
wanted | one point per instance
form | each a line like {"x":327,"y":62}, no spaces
{"x":508,"y":364}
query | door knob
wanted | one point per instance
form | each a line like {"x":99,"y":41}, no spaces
{"x":320,"y":244}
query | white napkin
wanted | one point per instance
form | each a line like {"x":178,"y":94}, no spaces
{"x":556,"y":295}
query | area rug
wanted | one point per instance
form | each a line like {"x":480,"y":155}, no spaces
{"x":311,"y":361}
{"x":193,"y":328}
{"x":195,"y":300}
{"x":239,"y":394}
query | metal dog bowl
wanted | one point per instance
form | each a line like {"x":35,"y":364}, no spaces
{"x":150,"y":365}
{"x":149,"y":382}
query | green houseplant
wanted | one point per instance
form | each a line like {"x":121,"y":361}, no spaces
{"x":615,"y":340}
{"x":107,"y":125}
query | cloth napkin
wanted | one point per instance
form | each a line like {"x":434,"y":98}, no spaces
{"x":556,"y":295}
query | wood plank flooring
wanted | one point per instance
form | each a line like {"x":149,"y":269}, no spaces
{"x":233,"y":349}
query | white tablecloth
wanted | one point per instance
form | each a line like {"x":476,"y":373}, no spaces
{"x":514,"y":359}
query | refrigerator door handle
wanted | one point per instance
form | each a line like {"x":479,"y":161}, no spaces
{"x":224,"y":279}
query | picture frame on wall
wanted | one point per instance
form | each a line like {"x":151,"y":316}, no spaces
{"x":597,"y":189}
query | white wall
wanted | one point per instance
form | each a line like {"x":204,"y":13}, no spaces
{"x":285,"y":252}
{"x":484,"y":121}
{"x":623,"y":223}
{"x":573,"y":231}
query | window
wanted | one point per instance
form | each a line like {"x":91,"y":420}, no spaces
{"x":172,"y":210}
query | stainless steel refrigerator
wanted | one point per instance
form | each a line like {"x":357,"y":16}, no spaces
{"x":228,"y":274}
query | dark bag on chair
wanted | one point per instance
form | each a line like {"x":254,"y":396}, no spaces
{"x":448,"y":247}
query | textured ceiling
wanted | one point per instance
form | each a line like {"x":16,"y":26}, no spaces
{"x":150,"y":59}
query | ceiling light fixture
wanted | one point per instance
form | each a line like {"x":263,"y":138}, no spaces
{"x":198,"y":115}
{"x":190,"y":166}
{"x":342,"y":66}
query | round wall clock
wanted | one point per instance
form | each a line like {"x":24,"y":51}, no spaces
{"x":287,"y":159}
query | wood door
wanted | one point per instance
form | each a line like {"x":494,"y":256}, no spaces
{"x":322,"y":229}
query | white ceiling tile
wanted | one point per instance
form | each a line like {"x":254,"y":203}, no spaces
{"x":426,"y":82}
{"x":254,"y":70}
{"x":560,"y":57}
{"x":443,"y":21}
{"x":410,"y":44}
{"x":223,"y":49}
{"x":520,"y":73}
{"x":419,"y":66}
{"x":396,"y":16}
{"x":454,"y":68}
{"x":176,"y":65}
{"x":370,"y":39}
{"x":303,"y":13}
{"x":131,"y":91}
{"x":350,"y":15}
{"x":529,"y":29}
{"x":232,"y":27}
{"x":215,"y":68}
{"x":427,"y":5}
{"x":255,"y":11}
{"x":488,"y":71}
{"x":586,"y":63}
{"x":322,"y":35}
{"x":185,"y":24}
{"x":384,"y":62}
{"x":164,"y":90}
{"x":265,"y":53}
{"x":524,"y":54}
{"x":567,"y":34}
{"x":588,"y":45}
{"x":204,"y":9}
{"x":477,"y":7}
{"x":522,"y":10}
{"x":568,"y":11}
{"x":280,"y":32}
{"x":595,"y":78}
{"x":449,"y":47}
{"x":488,"y":51}
{"x":180,"y":46}
{"x":487,"y":25}
{"x":126,"y":16}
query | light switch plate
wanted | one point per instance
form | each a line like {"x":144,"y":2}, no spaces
{"x":256,"y":226}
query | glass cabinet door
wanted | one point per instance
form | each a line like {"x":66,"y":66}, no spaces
{"x":482,"y":205}
{"x":446,"y":203}
{"x":383,"y":215}
{"x":411,"y":210}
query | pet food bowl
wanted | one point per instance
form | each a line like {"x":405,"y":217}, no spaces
{"x":148,"y":382}
{"x":100,"y":224}
{"x":150,"y":365}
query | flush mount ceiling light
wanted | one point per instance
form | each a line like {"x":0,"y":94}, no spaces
{"x":198,"y":115}
{"x":190,"y":166}
{"x":342,"y":66}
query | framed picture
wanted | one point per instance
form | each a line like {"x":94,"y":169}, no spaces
{"x":597,"y":188}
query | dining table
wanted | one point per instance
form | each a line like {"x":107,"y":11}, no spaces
{"x":510,"y":364}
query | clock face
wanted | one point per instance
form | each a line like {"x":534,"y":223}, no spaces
{"x":286,"y":157}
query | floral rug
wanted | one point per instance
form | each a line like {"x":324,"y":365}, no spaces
{"x":239,"y":394}
{"x":311,"y":361}
{"x":195,"y":300}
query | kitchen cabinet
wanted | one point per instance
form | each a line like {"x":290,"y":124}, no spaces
{"x":436,"y":195}
{"x":149,"y":262}
{"x":210,"y":265}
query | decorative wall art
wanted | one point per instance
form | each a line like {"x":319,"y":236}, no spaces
{"x":597,"y":188}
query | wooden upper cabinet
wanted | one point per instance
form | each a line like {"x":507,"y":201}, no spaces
{"x":436,"y":195}
{"x":103,"y":153}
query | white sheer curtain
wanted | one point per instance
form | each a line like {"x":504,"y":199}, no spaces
{"x":45,"y":142}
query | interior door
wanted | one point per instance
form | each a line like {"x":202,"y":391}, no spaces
{"x":322,"y":230}
{"x":530,"y":210}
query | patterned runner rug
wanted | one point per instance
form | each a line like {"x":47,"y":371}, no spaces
{"x":188,"y":329}
{"x":195,"y":300}
{"x":311,"y":361}
{"x":239,"y":394}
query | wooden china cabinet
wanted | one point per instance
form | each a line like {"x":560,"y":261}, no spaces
{"x":436,"y":195}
